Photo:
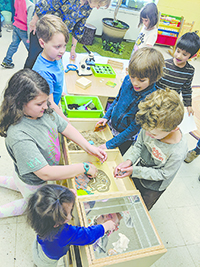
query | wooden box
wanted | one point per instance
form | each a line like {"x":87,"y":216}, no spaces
{"x":134,"y":243}
{"x":88,"y":124}
{"x":140,"y":243}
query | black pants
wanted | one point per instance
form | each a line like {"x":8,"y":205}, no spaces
{"x":149,"y":196}
{"x":34,"y":50}
{"x":125,"y":146}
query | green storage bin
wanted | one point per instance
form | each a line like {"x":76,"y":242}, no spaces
{"x":81,"y":100}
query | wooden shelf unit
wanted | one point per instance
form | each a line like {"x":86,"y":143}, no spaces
{"x":169,"y":28}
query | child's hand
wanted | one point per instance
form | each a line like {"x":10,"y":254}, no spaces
{"x":92,"y":172}
{"x":72,"y":54}
{"x":190,"y":111}
{"x":103,"y":146}
{"x":32,"y":25}
{"x":109,"y":226}
{"x":97,"y":152}
{"x":123,"y":169}
{"x":102,"y":122}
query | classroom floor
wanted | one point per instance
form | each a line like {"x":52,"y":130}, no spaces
{"x":176,"y":215}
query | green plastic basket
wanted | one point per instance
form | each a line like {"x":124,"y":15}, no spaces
{"x":81,"y":100}
{"x":103,"y":70}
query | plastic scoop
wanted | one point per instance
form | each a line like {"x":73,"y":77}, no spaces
{"x":84,"y":106}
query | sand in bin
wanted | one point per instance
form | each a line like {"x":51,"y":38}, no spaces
{"x":89,"y":136}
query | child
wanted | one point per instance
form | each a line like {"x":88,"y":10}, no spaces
{"x":193,"y":154}
{"x":23,"y":15}
{"x":149,"y":31}
{"x":178,"y":73}
{"x":145,"y":68}
{"x":31,"y":129}
{"x":73,"y":13}
{"x":49,"y":209}
{"x":53,"y":36}
{"x":160,"y":149}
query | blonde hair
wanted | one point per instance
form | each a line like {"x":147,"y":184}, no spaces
{"x":48,"y":25}
{"x":146,"y":62}
{"x":162,"y":109}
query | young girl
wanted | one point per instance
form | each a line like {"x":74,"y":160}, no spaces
{"x":145,"y":68}
{"x":31,"y":129}
{"x":149,"y":31}
{"x":49,"y":209}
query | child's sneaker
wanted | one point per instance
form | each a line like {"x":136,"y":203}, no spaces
{"x":191,"y":155}
{"x":7,"y":66}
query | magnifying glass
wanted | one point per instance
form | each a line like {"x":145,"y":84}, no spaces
{"x":72,"y":67}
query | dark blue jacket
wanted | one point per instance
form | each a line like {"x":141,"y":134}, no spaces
{"x":70,"y":235}
{"x":123,"y":110}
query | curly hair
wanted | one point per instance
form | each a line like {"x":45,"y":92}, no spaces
{"x":48,"y":25}
{"x":23,"y":87}
{"x":45,"y":209}
{"x":146,"y":62}
{"x":162,"y":109}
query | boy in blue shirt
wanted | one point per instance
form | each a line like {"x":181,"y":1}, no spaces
{"x":53,"y":36}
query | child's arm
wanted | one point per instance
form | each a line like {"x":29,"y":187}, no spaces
{"x":62,"y":172}
{"x":81,"y":236}
{"x":166,"y":172}
{"x":163,"y":170}
{"x":76,"y":137}
{"x":187,"y":94}
{"x":131,"y":157}
{"x":123,"y":136}
{"x":32,"y":24}
{"x":108,"y":114}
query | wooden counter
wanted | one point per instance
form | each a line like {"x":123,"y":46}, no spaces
{"x":98,"y":87}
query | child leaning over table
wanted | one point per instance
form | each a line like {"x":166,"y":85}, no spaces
{"x":178,"y":73}
{"x":145,"y":68}
{"x":53,"y":36}
{"x":155,"y":158}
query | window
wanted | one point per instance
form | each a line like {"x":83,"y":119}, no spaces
{"x":133,"y":4}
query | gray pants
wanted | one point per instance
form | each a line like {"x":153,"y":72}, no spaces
{"x":39,"y":257}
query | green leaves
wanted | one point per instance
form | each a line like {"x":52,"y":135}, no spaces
{"x":115,"y":48}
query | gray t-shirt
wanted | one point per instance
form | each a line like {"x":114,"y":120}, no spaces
{"x":33,"y":144}
{"x":156,"y":163}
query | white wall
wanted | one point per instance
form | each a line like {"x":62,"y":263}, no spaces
{"x":131,"y":17}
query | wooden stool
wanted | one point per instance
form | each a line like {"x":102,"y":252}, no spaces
{"x":88,"y":35}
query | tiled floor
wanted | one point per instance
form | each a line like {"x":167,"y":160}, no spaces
{"x":176,"y":215}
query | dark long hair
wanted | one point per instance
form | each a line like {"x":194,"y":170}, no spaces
{"x":149,"y":11}
{"x":45,"y":209}
{"x":23,"y":87}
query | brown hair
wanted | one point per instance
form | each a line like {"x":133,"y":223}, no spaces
{"x":146,"y":62}
{"x":23,"y":86}
{"x":45,"y":209}
{"x":161,"y":109}
{"x":149,"y":11}
{"x":48,"y":25}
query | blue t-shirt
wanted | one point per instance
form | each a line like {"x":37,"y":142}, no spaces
{"x":53,"y":72}
{"x":70,"y":235}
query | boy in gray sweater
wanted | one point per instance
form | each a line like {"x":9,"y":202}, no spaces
{"x":153,"y":161}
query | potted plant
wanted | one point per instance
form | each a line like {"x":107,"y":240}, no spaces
{"x":113,"y":29}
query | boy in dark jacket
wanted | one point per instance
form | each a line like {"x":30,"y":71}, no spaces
{"x":145,"y":68}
